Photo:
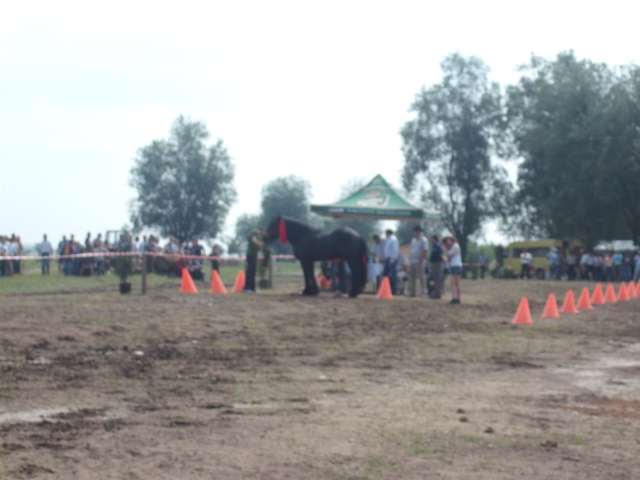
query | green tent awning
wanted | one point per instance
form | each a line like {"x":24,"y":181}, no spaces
{"x":376,"y":201}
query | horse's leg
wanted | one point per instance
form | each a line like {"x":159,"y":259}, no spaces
{"x":358,"y":276}
{"x":310,"y":286}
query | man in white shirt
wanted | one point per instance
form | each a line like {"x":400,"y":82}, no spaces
{"x":377,"y":249}
{"x":419,"y":250}
{"x":391,"y":252}
{"x":526,"y":259}
{"x":45,"y":249}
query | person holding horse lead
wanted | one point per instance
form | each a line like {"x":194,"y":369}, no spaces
{"x":254,"y":245}
{"x":391,"y":252}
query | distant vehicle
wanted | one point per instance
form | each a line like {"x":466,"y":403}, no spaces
{"x":539,"y":249}
{"x":617,"y":246}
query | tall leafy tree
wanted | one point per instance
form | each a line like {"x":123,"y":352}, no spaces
{"x":459,"y":125}
{"x":289,"y":196}
{"x":570,"y":127}
{"x":246,"y":224}
{"x":619,"y":165}
{"x":184,"y":188}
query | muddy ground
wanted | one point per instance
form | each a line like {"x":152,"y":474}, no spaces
{"x":276,"y":386}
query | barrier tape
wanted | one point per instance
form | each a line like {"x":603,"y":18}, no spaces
{"x":160,"y":254}
{"x":132,"y":254}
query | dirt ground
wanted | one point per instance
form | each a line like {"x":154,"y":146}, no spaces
{"x":277,"y":386}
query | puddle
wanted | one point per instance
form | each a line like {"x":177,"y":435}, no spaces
{"x":33,"y":415}
{"x":51,"y":415}
{"x":606,"y":375}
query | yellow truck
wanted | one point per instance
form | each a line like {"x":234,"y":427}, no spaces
{"x":539,"y":249}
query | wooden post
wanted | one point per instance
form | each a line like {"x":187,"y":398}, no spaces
{"x":270,"y":270}
{"x":144,"y":272}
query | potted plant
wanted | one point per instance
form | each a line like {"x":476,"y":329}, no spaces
{"x":123,"y":265}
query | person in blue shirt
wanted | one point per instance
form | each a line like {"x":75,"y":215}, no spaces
{"x":617,"y":266}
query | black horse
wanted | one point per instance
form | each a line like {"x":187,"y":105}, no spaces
{"x":310,"y":245}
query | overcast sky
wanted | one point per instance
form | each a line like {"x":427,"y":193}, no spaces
{"x":315,"y":89}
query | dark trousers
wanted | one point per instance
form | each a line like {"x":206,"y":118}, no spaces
{"x":250,"y":274}
{"x":525,"y":271}
{"x":46,"y":264}
{"x":390,"y":271}
{"x":339,"y":276}
{"x":436,"y":274}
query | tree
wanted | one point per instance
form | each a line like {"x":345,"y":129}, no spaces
{"x":619,"y":166}
{"x":404,"y":231}
{"x":459,"y":125}
{"x":184,"y":188}
{"x":576,"y":125}
{"x":289,"y":196}
{"x":246,"y":224}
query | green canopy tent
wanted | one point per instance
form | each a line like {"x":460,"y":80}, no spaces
{"x":376,"y":201}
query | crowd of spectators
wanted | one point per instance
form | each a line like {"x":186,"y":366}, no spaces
{"x":10,"y":247}
{"x":100,"y":263}
{"x":597,"y":266}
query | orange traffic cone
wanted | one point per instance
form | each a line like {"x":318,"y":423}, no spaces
{"x":523,"y":315}
{"x":187,"y":283}
{"x":585,"y":302}
{"x":385,"y":289}
{"x":632,"y":289}
{"x":598,"y":296}
{"x":623,"y":293}
{"x":569,"y":304}
{"x":638,"y":289}
{"x":610,"y":294}
{"x":240,"y":282}
{"x":216,"y":283}
{"x":551,"y":308}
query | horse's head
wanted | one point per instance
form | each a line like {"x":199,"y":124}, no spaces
{"x":273,"y":230}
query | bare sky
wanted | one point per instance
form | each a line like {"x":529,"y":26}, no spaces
{"x":315,"y":89}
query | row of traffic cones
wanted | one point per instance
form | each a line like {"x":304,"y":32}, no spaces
{"x":188,"y":286}
{"x":586,"y":302}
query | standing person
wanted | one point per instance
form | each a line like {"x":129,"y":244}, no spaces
{"x":636,"y":272}
{"x":419,"y":250}
{"x":483,"y":260}
{"x":254,"y":245}
{"x":526,"y":259}
{"x":60,"y":251}
{"x":455,"y":263}
{"x":45,"y":249}
{"x":391,"y":252}
{"x":436,"y":259}
{"x":618,"y":258}
{"x":377,"y":249}
{"x":607,"y":271}
{"x":215,"y":262}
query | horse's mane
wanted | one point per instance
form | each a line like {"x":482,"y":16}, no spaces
{"x":296,"y":229}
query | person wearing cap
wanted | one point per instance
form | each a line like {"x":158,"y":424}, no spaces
{"x":419,"y":250}
{"x":255,"y":243}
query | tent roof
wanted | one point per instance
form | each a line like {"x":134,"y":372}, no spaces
{"x":376,"y":201}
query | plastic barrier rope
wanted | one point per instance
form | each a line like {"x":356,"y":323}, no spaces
{"x":132,"y":254}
